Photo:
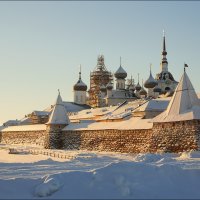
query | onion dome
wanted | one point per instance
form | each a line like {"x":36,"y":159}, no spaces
{"x":157,"y":89}
{"x":103,"y":88}
{"x":120,"y":73}
{"x":132,"y":88}
{"x":138,"y":87}
{"x":80,"y":85}
{"x":142,"y":91}
{"x":150,"y":82}
{"x":109,"y":86}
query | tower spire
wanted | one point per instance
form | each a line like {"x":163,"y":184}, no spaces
{"x":120,"y":61}
{"x":164,"y":63}
{"x":80,"y":73}
{"x":150,"y":67}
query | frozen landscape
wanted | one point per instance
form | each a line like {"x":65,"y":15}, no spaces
{"x":89,"y":175}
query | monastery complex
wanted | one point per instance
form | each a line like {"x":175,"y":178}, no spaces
{"x":159,"y":115}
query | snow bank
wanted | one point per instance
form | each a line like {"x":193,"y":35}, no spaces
{"x":48,"y":187}
{"x":94,"y":175}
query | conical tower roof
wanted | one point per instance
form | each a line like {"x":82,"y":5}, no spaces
{"x":184,"y":104}
{"x":59,"y":114}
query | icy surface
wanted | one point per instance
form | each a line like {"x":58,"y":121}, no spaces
{"x":91,"y":175}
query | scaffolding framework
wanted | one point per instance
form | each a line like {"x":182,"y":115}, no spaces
{"x":100,"y":76}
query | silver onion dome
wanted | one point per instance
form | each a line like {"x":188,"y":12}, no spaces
{"x":80,"y":86}
{"x":138,"y":87}
{"x":150,"y":82}
{"x":143,"y":91}
{"x":120,"y":73}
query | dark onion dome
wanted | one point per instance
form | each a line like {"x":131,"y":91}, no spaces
{"x":138,"y":87}
{"x":150,"y":82}
{"x":102,"y":88}
{"x":131,"y":88}
{"x":157,"y":89}
{"x":109,"y":86}
{"x":120,"y":73}
{"x":80,"y":86}
{"x":164,"y":75}
{"x":143,"y":91}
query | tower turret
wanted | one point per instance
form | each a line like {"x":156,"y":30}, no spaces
{"x":57,"y":121}
{"x":164,"y":63}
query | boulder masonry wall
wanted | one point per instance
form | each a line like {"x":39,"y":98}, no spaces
{"x":176,"y":136}
{"x":23,"y":137}
{"x":126,"y":141}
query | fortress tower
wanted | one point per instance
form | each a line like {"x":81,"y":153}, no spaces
{"x":57,"y":121}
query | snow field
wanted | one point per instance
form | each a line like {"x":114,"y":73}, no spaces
{"x":91,"y":175}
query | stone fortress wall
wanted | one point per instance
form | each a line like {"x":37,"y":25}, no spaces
{"x":23,"y":137}
{"x":163,"y":137}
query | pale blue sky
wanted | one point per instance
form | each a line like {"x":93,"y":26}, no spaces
{"x":43,"y":43}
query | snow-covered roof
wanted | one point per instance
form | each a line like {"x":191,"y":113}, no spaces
{"x":132,"y":123}
{"x":71,"y":107}
{"x":155,"y":105}
{"x":37,"y":127}
{"x":184,"y":104}
{"x":90,"y":113}
{"x":59,"y":114}
{"x":25,"y":120}
{"x":12,"y":121}
{"x":40,"y":113}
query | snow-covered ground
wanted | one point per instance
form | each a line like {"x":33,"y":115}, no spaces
{"x":99,"y":175}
